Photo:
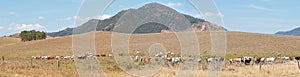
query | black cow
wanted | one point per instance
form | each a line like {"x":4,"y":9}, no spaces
{"x":247,"y":61}
{"x":297,"y":58}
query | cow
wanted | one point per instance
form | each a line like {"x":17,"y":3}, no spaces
{"x":57,"y":57}
{"x":110,"y":55}
{"x":230,"y":61}
{"x":35,"y":57}
{"x":72,"y":57}
{"x":97,"y":55}
{"x":102,"y":55}
{"x":285,"y":58}
{"x":136,"y":58}
{"x":147,"y":59}
{"x":50,"y":57}
{"x":297,"y":58}
{"x":270,"y":59}
{"x":44,"y":57}
{"x":238,"y":60}
{"x":259,"y":60}
{"x":67,"y":57}
{"x":176,"y":60}
{"x":81,"y":57}
{"x":199,"y":60}
{"x":247,"y":60}
{"x":208,"y":60}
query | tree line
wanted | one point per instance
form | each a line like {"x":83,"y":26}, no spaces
{"x":32,"y":35}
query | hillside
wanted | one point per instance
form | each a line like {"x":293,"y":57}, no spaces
{"x":294,"y":32}
{"x":238,"y":43}
{"x":8,"y":41}
{"x":155,"y":9}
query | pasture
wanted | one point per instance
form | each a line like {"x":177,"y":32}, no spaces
{"x":18,"y":54}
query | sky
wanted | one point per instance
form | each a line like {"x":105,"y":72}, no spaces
{"x":257,"y":16}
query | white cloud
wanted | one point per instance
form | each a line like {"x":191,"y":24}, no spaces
{"x":171,"y":4}
{"x":12,"y":13}
{"x":1,"y":27}
{"x":210,"y":14}
{"x":41,"y":17}
{"x":104,"y":16}
{"x":63,"y":28}
{"x":20,"y":27}
{"x":260,"y":8}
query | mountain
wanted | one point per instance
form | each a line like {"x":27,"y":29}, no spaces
{"x":151,"y":27}
{"x":294,"y":32}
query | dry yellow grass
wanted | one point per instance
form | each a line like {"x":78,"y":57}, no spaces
{"x":8,"y":41}
{"x":17,"y":53}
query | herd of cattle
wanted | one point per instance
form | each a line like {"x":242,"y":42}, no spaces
{"x":69,"y":57}
{"x":170,"y":58}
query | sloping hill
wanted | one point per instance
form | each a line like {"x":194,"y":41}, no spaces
{"x":8,"y":41}
{"x":238,"y":43}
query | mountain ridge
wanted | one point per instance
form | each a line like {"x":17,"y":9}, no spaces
{"x":109,"y":24}
{"x":293,"y":32}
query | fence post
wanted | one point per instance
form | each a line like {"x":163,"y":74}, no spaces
{"x":30,"y":62}
{"x":3,"y":61}
{"x":58,"y":64}
{"x":298,"y":64}
{"x":260,"y":65}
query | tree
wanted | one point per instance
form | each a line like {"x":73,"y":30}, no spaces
{"x":32,"y":35}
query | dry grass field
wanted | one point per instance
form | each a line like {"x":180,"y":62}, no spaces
{"x":17,"y":54}
{"x":8,"y":41}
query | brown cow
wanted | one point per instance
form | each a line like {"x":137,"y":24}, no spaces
{"x":103,"y":55}
{"x":97,"y":55}
{"x":50,"y":57}
{"x":147,"y":59}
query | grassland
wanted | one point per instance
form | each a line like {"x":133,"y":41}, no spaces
{"x":17,"y":54}
{"x":8,"y":41}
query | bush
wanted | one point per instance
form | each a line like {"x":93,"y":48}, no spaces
{"x":32,"y":35}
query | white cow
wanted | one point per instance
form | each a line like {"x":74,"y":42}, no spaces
{"x":57,"y":57}
{"x":285,"y":58}
{"x":270,"y":59}
{"x":199,"y":60}
{"x":44,"y":57}
{"x":209,"y":59}
{"x":67,"y":57}
{"x":230,"y":61}
{"x":238,"y":60}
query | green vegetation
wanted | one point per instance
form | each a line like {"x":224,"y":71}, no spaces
{"x":32,"y":35}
